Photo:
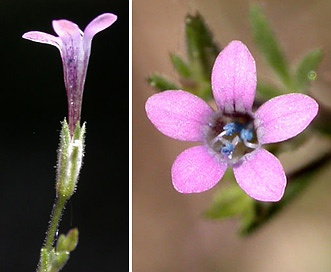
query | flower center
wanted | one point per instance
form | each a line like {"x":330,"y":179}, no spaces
{"x":231,"y":135}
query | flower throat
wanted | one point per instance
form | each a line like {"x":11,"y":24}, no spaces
{"x":231,"y":135}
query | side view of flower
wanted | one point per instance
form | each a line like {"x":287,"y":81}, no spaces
{"x":75,"y":49}
{"x":233,"y":135}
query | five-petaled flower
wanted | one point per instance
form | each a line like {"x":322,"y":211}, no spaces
{"x":75,"y":48}
{"x":233,"y":134}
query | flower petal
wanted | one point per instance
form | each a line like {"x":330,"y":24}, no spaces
{"x":234,"y":78}
{"x":42,"y":37}
{"x":284,"y":117}
{"x":65,"y":28}
{"x":195,"y":170}
{"x":98,"y":24}
{"x":261,"y":175}
{"x":179,"y":114}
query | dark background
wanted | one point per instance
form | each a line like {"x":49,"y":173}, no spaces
{"x":32,"y":105}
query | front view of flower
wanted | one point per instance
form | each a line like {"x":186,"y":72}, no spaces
{"x":233,"y":134}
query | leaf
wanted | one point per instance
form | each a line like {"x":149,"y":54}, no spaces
{"x":200,"y":46}
{"x":67,"y":243}
{"x":161,"y":83}
{"x":181,"y":66}
{"x":231,"y":202}
{"x":268,"y":45}
{"x":306,"y":69}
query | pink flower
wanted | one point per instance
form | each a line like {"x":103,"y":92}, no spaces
{"x":233,"y":135}
{"x":75,"y":48}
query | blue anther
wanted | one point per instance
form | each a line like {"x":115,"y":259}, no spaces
{"x":227,"y":150}
{"x":231,"y":128}
{"x":246,"y":134}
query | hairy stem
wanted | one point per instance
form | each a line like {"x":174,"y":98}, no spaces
{"x":44,"y":261}
{"x":54,"y":221}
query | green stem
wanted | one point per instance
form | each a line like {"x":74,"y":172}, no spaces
{"x":70,"y":155}
{"x":54,"y":222}
{"x":51,"y":233}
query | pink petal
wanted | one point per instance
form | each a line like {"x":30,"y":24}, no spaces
{"x":42,"y":37}
{"x":284,"y":117}
{"x":98,"y":24}
{"x":234,"y":78}
{"x":195,"y":170}
{"x":261,"y":175}
{"x":65,"y":28}
{"x":179,"y":114}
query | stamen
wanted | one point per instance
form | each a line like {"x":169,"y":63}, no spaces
{"x":235,"y":141}
{"x":219,"y":137}
{"x":227,"y":150}
{"x":246,"y":134}
{"x":251,"y":145}
{"x":230,"y":128}
{"x":232,"y":136}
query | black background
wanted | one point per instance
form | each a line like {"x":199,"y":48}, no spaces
{"x":32,"y":105}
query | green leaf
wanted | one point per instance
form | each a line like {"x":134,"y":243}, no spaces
{"x":200,"y":46}
{"x":181,"y":66}
{"x":160,"y":83}
{"x":193,"y":74}
{"x":231,"y":202}
{"x":306,"y":69}
{"x":268,"y":45}
{"x":67,"y":243}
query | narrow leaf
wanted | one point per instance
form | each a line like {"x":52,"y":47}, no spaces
{"x":231,"y":202}
{"x":201,"y":48}
{"x":268,"y":45}
{"x":160,"y":83}
{"x":67,"y":243}
{"x":181,"y":66}
{"x":306,"y":69}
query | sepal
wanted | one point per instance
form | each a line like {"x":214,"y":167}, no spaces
{"x":70,"y":158}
